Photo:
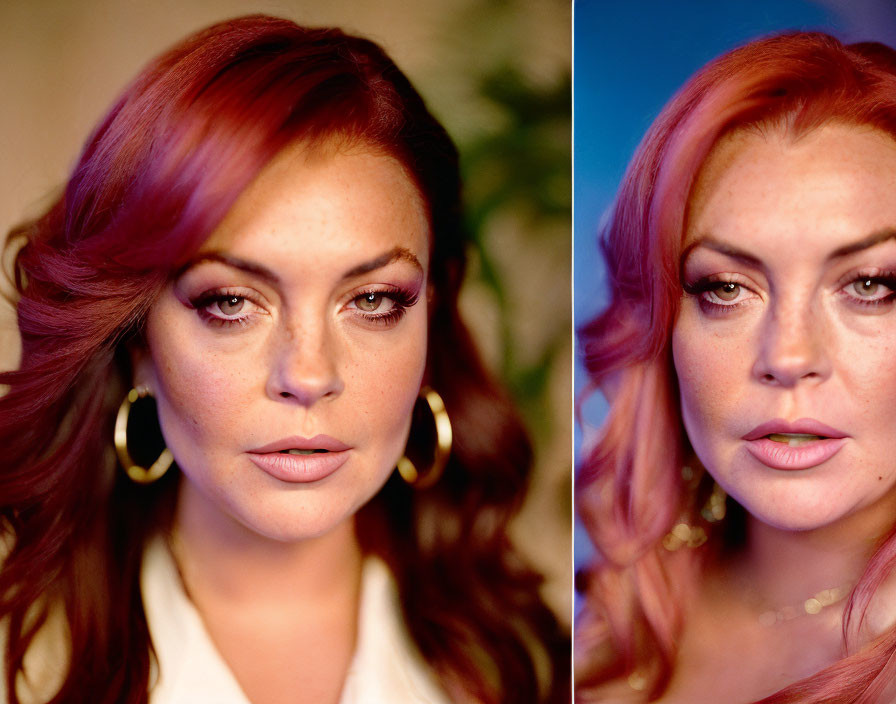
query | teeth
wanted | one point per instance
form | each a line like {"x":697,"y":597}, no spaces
{"x":301,"y":452}
{"x":794,"y":439}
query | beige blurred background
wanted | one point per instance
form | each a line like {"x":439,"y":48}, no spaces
{"x":495,"y":72}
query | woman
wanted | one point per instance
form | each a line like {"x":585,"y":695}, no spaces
{"x":746,"y":351}
{"x":262,"y":235}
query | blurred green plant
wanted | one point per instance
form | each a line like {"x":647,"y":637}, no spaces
{"x":520,"y":169}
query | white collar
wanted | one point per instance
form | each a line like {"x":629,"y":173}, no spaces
{"x":386,"y":666}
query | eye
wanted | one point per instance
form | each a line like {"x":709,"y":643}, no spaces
{"x":871,"y":290}
{"x":718,"y":294}
{"x":382,"y":306}
{"x":727,"y":291}
{"x":225,"y":308}
{"x":230,"y":305}
{"x":373,"y":302}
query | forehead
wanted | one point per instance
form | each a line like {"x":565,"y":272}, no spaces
{"x":831,"y":184}
{"x":333,"y":196}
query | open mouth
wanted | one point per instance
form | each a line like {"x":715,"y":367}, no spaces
{"x":794,"y":445}
{"x":795,"y":439}
{"x":301,"y":452}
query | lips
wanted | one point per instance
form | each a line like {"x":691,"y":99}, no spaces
{"x":803,"y":426}
{"x":318,"y":442}
{"x":796,"y":445}
{"x":301,"y":460}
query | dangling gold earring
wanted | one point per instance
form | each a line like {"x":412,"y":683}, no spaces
{"x":444,"y":436}
{"x":683,"y":534}
{"x":714,"y":509}
{"x":138,"y":474}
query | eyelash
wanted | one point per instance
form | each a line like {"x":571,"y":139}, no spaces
{"x":202,"y":303}
{"x":401,"y":301}
{"x":885,"y":279}
{"x":708,"y":284}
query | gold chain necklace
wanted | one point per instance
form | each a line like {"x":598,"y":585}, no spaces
{"x":810,"y":607}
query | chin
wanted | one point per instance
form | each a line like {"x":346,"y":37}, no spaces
{"x":291,"y":516}
{"x":795,"y":514}
{"x":296,"y":525}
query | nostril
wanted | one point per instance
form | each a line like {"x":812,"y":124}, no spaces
{"x":285,"y":394}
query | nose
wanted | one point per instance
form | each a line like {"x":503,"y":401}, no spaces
{"x":792,"y":348}
{"x":305,"y":368}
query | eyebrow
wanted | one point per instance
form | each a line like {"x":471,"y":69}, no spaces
{"x":745,"y":257}
{"x":262,"y":272}
{"x":393,"y":255}
{"x":253,"y":268}
{"x":870,"y":241}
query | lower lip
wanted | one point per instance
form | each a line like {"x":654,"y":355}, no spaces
{"x":780,"y":455}
{"x":299,"y":469}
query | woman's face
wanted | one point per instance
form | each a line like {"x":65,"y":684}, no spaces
{"x":287,"y":356}
{"x":785,"y":344}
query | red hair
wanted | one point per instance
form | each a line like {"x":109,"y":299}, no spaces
{"x":153,"y":181}
{"x":630,"y":488}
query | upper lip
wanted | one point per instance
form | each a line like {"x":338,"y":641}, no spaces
{"x":296,"y":442}
{"x":803,"y":426}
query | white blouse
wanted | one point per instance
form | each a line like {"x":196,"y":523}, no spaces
{"x":385,"y":669}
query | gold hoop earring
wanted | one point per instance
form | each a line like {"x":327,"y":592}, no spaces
{"x":138,"y":474}
{"x":444,"y":437}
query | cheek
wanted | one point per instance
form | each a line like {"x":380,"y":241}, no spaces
{"x":197,"y":394}
{"x":383,"y":382}
{"x":196,"y":388}
{"x":710,"y":373}
{"x":868,"y":371}
{"x":694,"y":378}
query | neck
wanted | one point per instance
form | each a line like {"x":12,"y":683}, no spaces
{"x":784,"y":566}
{"x":221,"y":559}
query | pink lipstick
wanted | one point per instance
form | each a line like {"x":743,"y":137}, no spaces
{"x":301,"y":460}
{"x":794,"y":445}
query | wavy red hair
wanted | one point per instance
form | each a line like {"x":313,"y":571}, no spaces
{"x":153,"y":181}
{"x":630,"y":488}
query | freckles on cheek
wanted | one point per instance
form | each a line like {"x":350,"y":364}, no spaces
{"x":197,"y":386}
{"x":390,"y":379}
{"x":700,"y":387}
{"x":865,"y":370}
{"x":874,"y":366}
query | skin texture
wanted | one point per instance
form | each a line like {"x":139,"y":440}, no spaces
{"x":273,"y":566}
{"x":801,"y":339}
{"x":304,"y":359}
